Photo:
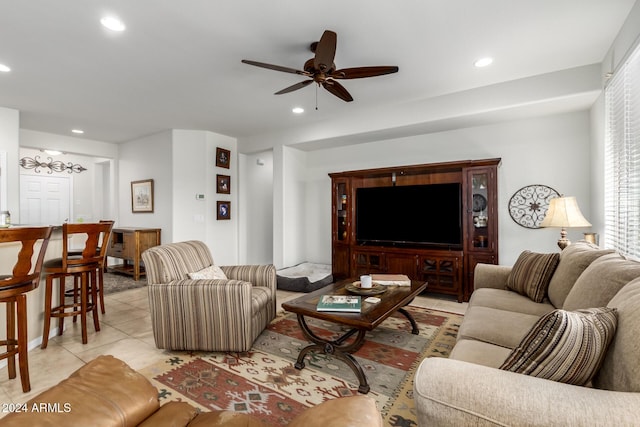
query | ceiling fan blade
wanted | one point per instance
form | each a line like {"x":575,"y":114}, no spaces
{"x":275,"y":67}
{"x":361,"y":72}
{"x":325,"y":51}
{"x":337,"y":89}
{"x":294,"y":87}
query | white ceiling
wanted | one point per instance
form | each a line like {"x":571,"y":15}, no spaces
{"x":177,"y":65}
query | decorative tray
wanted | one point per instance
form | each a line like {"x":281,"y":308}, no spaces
{"x":355,"y":288}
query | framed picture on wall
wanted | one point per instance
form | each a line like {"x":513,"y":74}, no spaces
{"x":142,"y":196}
{"x":223,"y":157}
{"x":224,"y":210}
{"x":223,"y":184}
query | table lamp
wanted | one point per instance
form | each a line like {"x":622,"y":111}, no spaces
{"x":564,"y":212}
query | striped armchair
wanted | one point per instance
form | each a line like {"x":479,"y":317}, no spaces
{"x":211,"y":314}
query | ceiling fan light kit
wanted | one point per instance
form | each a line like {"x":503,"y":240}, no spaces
{"x":322,"y":70}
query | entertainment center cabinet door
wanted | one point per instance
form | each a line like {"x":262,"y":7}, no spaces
{"x":443,"y":273}
{"x":368,"y":263}
{"x":341,"y":227}
{"x":481,"y":224}
{"x":402,"y":264}
{"x":340,"y":262}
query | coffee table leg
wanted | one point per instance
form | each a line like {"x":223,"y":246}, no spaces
{"x":336,"y":348}
{"x":414,"y":325}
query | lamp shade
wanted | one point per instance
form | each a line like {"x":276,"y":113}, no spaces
{"x":564,"y":212}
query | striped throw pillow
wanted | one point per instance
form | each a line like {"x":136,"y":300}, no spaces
{"x":565,"y":346}
{"x":532,"y":273}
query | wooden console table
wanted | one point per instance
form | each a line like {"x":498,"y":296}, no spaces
{"x":128,"y":243}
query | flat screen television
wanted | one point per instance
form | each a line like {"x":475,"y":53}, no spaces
{"x":411,"y":215}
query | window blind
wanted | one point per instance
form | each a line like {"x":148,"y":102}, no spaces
{"x":622,"y":159}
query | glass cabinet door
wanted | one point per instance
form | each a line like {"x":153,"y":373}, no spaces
{"x":480,"y":213}
{"x":341,"y":212}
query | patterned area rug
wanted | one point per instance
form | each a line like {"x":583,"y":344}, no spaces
{"x":265,"y":383}
{"x":119,"y":282}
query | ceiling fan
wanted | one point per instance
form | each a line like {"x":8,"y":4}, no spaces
{"x":322,"y":70}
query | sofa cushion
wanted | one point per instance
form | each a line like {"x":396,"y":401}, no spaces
{"x":211,"y":272}
{"x":531,"y":274}
{"x":565,"y":346}
{"x":226,"y":419}
{"x":480,"y":353}
{"x":499,"y":327}
{"x":601,"y":281}
{"x":620,"y":370}
{"x":574,"y":259}
{"x":348,"y":411}
{"x":508,"y":300}
{"x":171,"y":414}
{"x":104,"y":392}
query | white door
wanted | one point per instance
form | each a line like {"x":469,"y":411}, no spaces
{"x":44,"y":200}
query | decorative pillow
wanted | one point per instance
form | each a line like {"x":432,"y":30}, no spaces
{"x":532,"y":273}
{"x":212,"y":272}
{"x":601,"y":281}
{"x":574,"y":259}
{"x":565,"y":346}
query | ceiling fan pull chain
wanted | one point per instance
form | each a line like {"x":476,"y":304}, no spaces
{"x":317,"y":97}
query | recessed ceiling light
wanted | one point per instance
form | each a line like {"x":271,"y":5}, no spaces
{"x":298,"y":110}
{"x":113,"y":23}
{"x":53,"y":152}
{"x":77,"y":131}
{"x":4,"y":68}
{"x":483,"y":62}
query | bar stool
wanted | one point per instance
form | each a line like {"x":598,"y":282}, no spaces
{"x":81,"y":267}
{"x":13,"y":289}
{"x":106,"y":241}
{"x":102,"y":267}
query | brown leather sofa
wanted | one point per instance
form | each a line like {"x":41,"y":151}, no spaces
{"x":107,"y":392}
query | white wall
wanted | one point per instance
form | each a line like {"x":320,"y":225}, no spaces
{"x":9,"y":143}
{"x":88,"y":185}
{"x":68,"y":144}
{"x":95,"y":197}
{"x":295,"y":225}
{"x":189,"y":169}
{"x":256,"y":214}
{"x":194,"y":168}
{"x":551,"y":150}
{"x":147,"y":158}
{"x":222,"y":235}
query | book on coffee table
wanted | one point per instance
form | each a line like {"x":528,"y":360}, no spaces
{"x":391,"y":279}
{"x":344,"y":303}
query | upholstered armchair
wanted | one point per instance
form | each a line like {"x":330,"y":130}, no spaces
{"x":206,"y":314}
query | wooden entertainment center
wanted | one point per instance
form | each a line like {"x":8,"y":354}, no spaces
{"x":448,"y":269}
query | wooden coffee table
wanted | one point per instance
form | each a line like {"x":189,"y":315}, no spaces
{"x":372,"y":315}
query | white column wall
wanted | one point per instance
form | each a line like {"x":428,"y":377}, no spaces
{"x":256,"y":216}
{"x":9,"y":143}
{"x":222,"y":235}
{"x":147,"y":158}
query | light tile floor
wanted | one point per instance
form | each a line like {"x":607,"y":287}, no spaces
{"x":126,"y":334}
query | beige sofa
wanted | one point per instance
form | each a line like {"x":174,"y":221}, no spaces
{"x":469,"y":389}
{"x":107,"y":392}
